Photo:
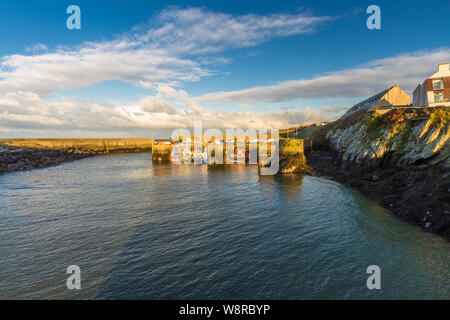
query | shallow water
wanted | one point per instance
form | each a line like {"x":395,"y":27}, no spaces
{"x":140,"y":231}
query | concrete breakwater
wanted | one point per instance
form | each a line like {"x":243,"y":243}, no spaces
{"x":162,"y":153}
{"x":291,"y":155}
{"x":25,"y":154}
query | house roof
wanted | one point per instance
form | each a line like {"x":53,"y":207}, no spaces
{"x":443,"y":71}
{"x":375,"y":97}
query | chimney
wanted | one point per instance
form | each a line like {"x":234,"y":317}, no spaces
{"x":444,"y":66}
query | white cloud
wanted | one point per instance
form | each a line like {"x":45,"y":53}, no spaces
{"x":175,"y":47}
{"x":406,"y":70}
{"x":172,"y":108}
{"x":196,"y":30}
{"x":91,"y":64}
{"x":160,"y":53}
{"x":37,"y":47}
{"x":27,"y":112}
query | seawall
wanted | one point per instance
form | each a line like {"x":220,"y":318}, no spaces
{"x":101,"y":146}
{"x":292,"y":156}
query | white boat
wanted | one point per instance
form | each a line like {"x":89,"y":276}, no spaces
{"x":201,"y":158}
{"x":176,"y":155}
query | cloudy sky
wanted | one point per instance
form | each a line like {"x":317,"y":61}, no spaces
{"x":143,"y":69}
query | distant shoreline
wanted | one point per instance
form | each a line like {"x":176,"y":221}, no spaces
{"x":27,"y":154}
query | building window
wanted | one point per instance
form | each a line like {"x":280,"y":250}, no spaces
{"x":438,"y":84}
{"x":438,"y":97}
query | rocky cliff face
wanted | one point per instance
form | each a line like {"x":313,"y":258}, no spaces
{"x":395,"y":138}
{"x":398,"y":157}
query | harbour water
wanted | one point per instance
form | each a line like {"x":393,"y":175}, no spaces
{"x":144,"y":231}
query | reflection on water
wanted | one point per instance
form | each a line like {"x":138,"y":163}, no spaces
{"x":289,"y":186}
{"x":197,"y":232}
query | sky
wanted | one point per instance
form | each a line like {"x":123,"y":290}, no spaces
{"x":145,"y":68}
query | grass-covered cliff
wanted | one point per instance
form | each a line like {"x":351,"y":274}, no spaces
{"x":396,"y":137}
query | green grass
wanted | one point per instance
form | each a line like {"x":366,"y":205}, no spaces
{"x":291,"y":146}
{"x":93,"y":144}
{"x":406,"y":134}
{"x":439,"y":118}
{"x":308,"y":133}
{"x":374,"y":127}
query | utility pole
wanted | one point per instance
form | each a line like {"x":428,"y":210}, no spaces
{"x":288,"y":130}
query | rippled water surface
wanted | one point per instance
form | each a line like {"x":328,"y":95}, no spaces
{"x":143,"y":231}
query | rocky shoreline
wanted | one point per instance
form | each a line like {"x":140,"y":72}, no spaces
{"x":25,"y":154}
{"x":19,"y":159}
{"x":418,"y":194}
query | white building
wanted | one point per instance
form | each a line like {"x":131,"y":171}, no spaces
{"x":434,"y":91}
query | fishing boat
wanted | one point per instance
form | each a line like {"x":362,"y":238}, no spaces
{"x":181,"y":153}
{"x":176,"y":155}
{"x":238,"y":157}
{"x":201,"y":157}
{"x":205,"y":157}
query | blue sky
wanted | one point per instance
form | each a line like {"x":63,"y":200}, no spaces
{"x":168,"y":63}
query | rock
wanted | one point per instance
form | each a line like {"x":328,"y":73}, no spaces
{"x":24,"y":159}
{"x":375,"y":162}
{"x":20,"y":165}
{"x":405,"y":142}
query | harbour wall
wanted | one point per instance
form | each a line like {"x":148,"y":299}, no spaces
{"x":100,"y":146}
